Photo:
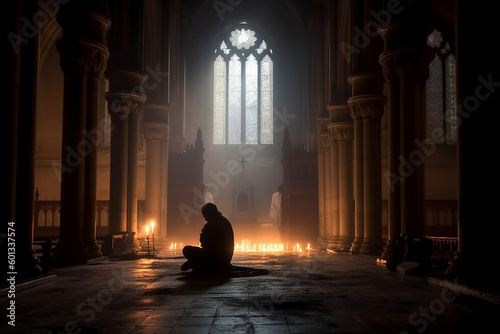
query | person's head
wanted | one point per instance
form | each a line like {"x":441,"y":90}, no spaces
{"x":209,"y":210}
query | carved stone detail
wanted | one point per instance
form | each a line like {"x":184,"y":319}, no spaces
{"x":405,"y":64}
{"x":367,"y":106}
{"x":125,"y":104}
{"x":83,"y":57}
{"x":341,"y":132}
{"x":155,"y":131}
{"x":324,"y":141}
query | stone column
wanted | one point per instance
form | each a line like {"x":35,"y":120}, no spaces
{"x":394,"y":196}
{"x":20,"y":68}
{"x":156,"y":135}
{"x":133,"y":139}
{"x":177,"y":61}
{"x":333,"y":186}
{"x":342,"y":134}
{"x":324,"y":146}
{"x":369,"y":108}
{"x":126,"y":102}
{"x":83,"y":61}
{"x":478,"y":96}
{"x":161,"y":52}
{"x":406,"y":69}
{"x":359,"y":216}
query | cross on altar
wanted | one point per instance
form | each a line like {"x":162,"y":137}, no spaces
{"x":243,"y":162}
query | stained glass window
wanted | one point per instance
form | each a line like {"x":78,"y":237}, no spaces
{"x":243,"y":90}
{"x":441,"y":100}
{"x":219,"y":100}
{"x":234,"y":101}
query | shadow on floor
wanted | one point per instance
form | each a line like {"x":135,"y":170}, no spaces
{"x":203,"y":280}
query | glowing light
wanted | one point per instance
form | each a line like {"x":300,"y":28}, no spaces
{"x":152,"y":227}
{"x":247,"y":246}
{"x":147,"y":230}
{"x":173,"y":246}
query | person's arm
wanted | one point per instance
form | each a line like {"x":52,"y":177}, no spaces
{"x":206,"y":238}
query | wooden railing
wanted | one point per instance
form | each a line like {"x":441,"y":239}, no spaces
{"x":47,"y":217}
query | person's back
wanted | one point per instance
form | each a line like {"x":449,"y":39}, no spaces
{"x":217,"y":244}
{"x":217,"y":238}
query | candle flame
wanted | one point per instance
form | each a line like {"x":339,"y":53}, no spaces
{"x":248,"y":246}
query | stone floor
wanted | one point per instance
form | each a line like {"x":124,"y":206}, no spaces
{"x":311,"y":292}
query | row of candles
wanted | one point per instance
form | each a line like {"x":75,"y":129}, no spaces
{"x":247,"y":246}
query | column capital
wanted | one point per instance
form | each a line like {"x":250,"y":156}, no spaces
{"x":324,"y":141}
{"x":122,"y":104}
{"x":405,"y":63}
{"x":82,"y":56}
{"x":125,"y":96}
{"x":83,"y":47}
{"x":155,"y":131}
{"x":406,"y":54}
{"x":367,"y":106}
{"x":341,"y":131}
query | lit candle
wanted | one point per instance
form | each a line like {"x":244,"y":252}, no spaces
{"x":153,"y":233}
{"x":147,"y":237}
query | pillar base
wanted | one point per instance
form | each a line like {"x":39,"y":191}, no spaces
{"x":322,"y":243}
{"x":356,"y":245}
{"x":128,"y":244}
{"x":344,"y":244}
{"x":333,"y":243}
{"x":371,"y":246}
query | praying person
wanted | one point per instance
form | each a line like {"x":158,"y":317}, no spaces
{"x":216,"y":241}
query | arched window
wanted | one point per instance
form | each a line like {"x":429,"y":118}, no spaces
{"x":441,"y":96}
{"x":243,"y":90}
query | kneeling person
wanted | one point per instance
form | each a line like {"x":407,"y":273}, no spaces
{"x":217,"y":244}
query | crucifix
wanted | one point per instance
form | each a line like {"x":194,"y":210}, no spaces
{"x":243,"y":162}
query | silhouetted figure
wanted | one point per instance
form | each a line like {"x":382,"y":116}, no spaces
{"x":217,"y":244}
